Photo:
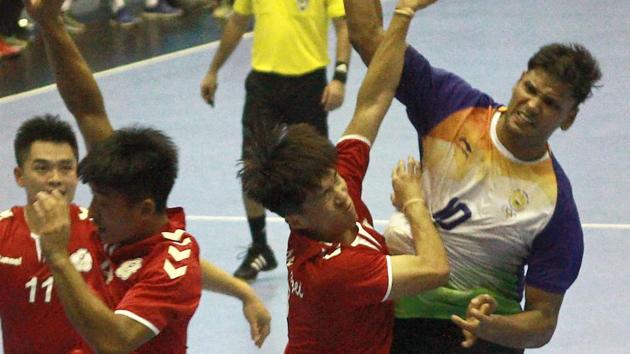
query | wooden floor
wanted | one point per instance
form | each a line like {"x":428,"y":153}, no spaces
{"x":105,"y":46}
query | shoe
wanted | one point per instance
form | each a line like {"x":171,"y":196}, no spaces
{"x":8,"y":51}
{"x":222,"y":11}
{"x":72,"y":24}
{"x":124,"y":17}
{"x":259,"y":258}
{"x":162,"y":9}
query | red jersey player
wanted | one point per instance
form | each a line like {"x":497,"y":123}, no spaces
{"x":341,"y":278}
{"x":33,"y":320}
{"x":155,"y":273}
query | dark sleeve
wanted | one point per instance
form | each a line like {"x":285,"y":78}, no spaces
{"x":557,"y":251}
{"x":432,"y":94}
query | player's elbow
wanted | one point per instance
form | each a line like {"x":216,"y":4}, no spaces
{"x":432,"y":275}
{"x":440,"y":275}
{"x":541,"y":339}
{"x":366,"y":42}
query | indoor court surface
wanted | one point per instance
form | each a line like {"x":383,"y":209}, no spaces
{"x":487,"y":43}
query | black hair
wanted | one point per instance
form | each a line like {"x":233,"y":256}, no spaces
{"x":43,"y":128}
{"x":137,"y":162}
{"x":571,"y":64}
{"x":283,"y":164}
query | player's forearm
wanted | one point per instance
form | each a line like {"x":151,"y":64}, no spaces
{"x":528,"y":329}
{"x":232,"y":34}
{"x":88,"y":314}
{"x":342,"y":49}
{"x":75,"y":81}
{"x":218,"y":280}
{"x":427,"y":241}
{"x":379,"y":85}
{"x":365,"y":26}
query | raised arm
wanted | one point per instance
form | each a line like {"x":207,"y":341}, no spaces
{"x":365,"y":26}
{"x":383,"y":75}
{"x":259,"y":319}
{"x":232,"y":33}
{"x":75,"y":81}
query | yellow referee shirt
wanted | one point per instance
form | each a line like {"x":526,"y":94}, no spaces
{"x":290,"y":36}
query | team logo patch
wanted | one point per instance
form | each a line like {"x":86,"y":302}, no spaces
{"x":519,"y":200}
{"x":82,"y":260}
{"x":128,"y":268}
{"x":302,"y":4}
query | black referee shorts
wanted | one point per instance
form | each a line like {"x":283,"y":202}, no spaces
{"x":272,"y":99}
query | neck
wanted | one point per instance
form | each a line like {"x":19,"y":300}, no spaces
{"x":523,"y":148}
{"x":28,"y":211}
{"x":150,"y":228}
{"x":345,"y":237}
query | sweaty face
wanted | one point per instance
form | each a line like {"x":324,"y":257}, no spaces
{"x":329,"y":212}
{"x":539,"y":105}
{"x":49,"y":166}
{"x":114,"y":215}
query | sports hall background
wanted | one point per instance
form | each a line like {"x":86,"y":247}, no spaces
{"x":486,"y":42}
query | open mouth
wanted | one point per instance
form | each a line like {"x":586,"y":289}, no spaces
{"x":522,"y":118}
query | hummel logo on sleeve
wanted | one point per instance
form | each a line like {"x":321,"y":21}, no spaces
{"x":172,"y":271}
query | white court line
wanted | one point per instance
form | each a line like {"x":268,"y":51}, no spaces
{"x":124,"y":68}
{"x":275,"y":219}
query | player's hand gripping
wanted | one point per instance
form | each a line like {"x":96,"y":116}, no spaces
{"x":258,"y":318}
{"x":333,"y":95}
{"x":478,"y":318}
{"x":209,"y":87}
{"x":51,"y":221}
{"x":44,"y":10}
{"x":406,"y":180}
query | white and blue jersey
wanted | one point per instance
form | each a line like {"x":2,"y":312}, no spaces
{"x":497,"y":215}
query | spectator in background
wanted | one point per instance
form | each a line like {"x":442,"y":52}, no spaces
{"x":123,"y":16}
{"x":10,"y":44}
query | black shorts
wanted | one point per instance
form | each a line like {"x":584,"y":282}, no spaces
{"x":272,"y":99}
{"x":433,"y":336}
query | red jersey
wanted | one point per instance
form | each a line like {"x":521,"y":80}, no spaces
{"x":338,"y":294}
{"x":157,"y":282}
{"x":33,"y":319}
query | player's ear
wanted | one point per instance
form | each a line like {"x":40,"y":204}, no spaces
{"x":297,"y":222}
{"x":18,"y":173}
{"x":570,"y":119}
{"x":146,"y":207}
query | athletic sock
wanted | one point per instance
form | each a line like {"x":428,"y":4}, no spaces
{"x":258,"y":230}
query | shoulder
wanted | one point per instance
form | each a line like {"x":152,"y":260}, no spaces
{"x":173,"y":255}
{"x":9,"y":217}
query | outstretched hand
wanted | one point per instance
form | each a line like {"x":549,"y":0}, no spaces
{"x":44,"y":10}
{"x":406,"y":183}
{"x":478,"y":318}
